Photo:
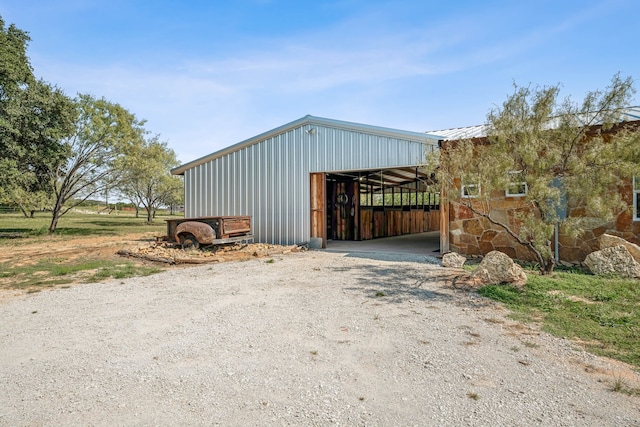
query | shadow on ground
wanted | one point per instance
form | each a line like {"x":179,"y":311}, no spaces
{"x":413,"y":279}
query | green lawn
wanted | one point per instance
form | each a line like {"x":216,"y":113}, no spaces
{"x":15,"y":225}
{"x":602,"y":314}
{"x":50,"y":272}
{"x":34,"y":270}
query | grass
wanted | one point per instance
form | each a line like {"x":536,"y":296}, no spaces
{"x":15,"y":227}
{"x":620,"y":385}
{"x":51,"y":272}
{"x":600,"y":313}
{"x":33,"y":273}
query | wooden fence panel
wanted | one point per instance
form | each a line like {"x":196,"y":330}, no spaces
{"x":378,"y":224}
{"x":366,"y":223}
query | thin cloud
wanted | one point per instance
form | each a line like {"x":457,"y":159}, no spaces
{"x":347,"y":70}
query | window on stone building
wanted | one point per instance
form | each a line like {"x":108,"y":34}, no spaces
{"x":470,"y":191}
{"x":517,"y":187}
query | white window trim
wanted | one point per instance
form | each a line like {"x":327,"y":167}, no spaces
{"x":516,"y":183}
{"x":464,"y":193}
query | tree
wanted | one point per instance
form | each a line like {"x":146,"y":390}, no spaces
{"x":174,"y":196}
{"x":104,"y":133}
{"x":551,"y":152}
{"x":34,"y":117}
{"x":146,"y":175}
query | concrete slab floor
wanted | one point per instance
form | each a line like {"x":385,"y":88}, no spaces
{"x":415,"y":244}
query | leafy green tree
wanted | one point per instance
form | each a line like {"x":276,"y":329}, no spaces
{"x":34,"y":117}
{"x":559,"y":151}
{"x":147,"y":178}
{"x":104,"y":133}
{"x":174,"y":196}
{"x":28,"y":201}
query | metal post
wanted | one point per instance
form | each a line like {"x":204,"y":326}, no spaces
{"x":556,"y":255}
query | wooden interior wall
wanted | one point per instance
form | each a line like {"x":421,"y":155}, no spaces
{"x":388,"y":222}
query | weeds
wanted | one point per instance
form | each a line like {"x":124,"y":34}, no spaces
{"x":123,"y":271}
{"x":619,"y":384}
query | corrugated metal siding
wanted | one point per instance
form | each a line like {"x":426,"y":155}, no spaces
{"x":270,"y":180}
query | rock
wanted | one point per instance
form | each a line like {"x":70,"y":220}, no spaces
{"x":453,"y":260}
{"x":615,"y":260}
{"x":609,"y":241}
{"x":495,"y":268}
{"x":315,"y":243}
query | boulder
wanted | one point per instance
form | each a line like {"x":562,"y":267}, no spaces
{"x":453,"y":260}
{"x":609,"y":241}
{"x":495,"y":268}
{"x":615,"y":260}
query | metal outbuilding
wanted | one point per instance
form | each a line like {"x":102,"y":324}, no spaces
{"x":318,"y":177}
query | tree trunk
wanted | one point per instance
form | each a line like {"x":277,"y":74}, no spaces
{"x":24,"y":212}
{"x":137,"y":212}
{"x":545,"y":266}
{"x":54,"y":222}
{"x":149,"y":216}
{"x":551,"y":263}
{"x":55,"y":215}
{"x":32,"y":213}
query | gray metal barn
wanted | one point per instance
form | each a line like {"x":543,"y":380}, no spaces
{"x":318,"y":177}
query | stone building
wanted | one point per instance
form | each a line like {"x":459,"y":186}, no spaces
{"x":469,"y":234}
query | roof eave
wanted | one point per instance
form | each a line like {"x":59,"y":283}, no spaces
{"x":311,"y":120}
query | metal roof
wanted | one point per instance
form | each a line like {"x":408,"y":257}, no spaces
{"x":477,"y":131}
{"x":310,"y":120}
{"x":630,"y":114}
{"x":411,"y":178}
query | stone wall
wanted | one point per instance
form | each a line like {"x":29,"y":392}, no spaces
{"x":473,"y":235}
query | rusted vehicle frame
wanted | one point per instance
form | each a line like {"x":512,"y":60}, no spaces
{"x":193,"y":232}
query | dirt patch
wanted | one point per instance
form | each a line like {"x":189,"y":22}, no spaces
{"x":169,"y":253}
{"x":71,"y":248}
{"x":572,"y":298}
{"x":140,"y":249}
{"x":107,"y":248}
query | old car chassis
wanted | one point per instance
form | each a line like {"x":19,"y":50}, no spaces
{"x":207,"y":231}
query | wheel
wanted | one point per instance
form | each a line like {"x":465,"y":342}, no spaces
{"x":189,"y":241}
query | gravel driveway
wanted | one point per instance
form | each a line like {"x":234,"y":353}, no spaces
{"x":312,"y":338}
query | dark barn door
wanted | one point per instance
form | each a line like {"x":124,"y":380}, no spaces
{"x":343,"y":210}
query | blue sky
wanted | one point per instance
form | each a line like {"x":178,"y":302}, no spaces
{"x":208,"y":74}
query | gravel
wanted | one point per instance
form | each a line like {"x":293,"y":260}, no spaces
{"x":308,"y":339}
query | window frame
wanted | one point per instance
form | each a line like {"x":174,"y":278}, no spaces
{"x":465,"y":195}
{"x":513,"y":183}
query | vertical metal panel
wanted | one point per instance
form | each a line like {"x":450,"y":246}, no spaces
{"x":270,"y":179}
